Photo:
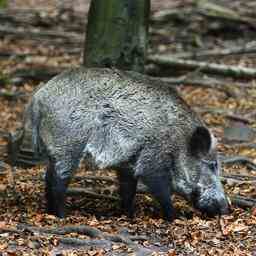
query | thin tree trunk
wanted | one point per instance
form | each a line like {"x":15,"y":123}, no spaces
{"x":117,"y":34}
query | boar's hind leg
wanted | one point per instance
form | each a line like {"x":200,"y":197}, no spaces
{"x":57,"y":178}
{"x":159,"y":187}
{"x":127,"y":191}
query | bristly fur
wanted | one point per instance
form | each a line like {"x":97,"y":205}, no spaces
{"x":121,"y":120}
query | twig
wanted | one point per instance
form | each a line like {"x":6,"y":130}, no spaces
{"x":14,"y":55}
{"x":92,"y":243}
{"x":243,"y":202}
{"x":12,"y":95}
{"x":240,"y":177}
{"x":212,"y":10}
{"x":96,"y":178}
{"x":206,"y":9}
{"x":226,"y":113}
{"x":81,"y":192}
{"x":233,"y":180}
{"x":239,"y":159}
{"x":243,"y":144}
{"x":168,"y":14}
{"x":82,"y":230}
{"x":38,"y":18}
{"x":41,"y":74}
{"x":215,"y":53}
{"x":219,"y":69}
{"x":50,"y":35}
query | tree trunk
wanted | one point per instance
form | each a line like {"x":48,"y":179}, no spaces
{"x":117,"y":34}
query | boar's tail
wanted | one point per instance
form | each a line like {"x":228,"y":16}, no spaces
{"x":35,"y":118}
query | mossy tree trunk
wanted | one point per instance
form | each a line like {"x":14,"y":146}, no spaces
{"x":117,"y":34}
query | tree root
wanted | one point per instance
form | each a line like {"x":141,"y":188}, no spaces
{"x":98,"y":239}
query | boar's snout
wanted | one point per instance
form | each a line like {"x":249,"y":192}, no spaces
{"x":211,"y":203}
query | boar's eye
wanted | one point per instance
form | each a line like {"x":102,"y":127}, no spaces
{"x":212,"y":165}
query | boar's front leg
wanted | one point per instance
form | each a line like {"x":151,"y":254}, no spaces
{"x":127,"y":191}
{"x":159,"y":187}
{"x":154,"y":167}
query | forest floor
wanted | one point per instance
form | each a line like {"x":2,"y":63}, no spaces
{"x":41,"y":38}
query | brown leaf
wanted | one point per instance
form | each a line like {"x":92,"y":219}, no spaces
{"x":3,"y":187}
{"x":171,"y":252}
{"x":254,"y":211}
{"x":3,"y":246}
{"x":3,"y":224}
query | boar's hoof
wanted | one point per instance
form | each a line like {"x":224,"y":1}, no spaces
{"x":170,"y":217}
{"x":57,"y":211}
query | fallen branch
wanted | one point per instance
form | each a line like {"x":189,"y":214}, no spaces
{"x":215,"y":53}
{"x":219,"y":69}
{"x":105,"y":239}
{"x":14,"y":55}
{"x":81,"y":230}
{"x":12,"y":95}
{"x":40,"y":18}
{"x":34,"y":34}
{"x":85,"y":192}
{"x":234,"y":180}
{"x":169,"y":14}
{"x":239,"y":159}
{"x":240,"y":177}
{"x":215,"y":11}
{"x":242,"y":144}
{"x":243,"y":202}
{"x":38,"y":74}
{"x":204,"y":82}
{"x":92,"y":243}
{"x":96,"y":178}
{"x":205,"y":9}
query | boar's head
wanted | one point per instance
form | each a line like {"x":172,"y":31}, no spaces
{"x":196,"y":175}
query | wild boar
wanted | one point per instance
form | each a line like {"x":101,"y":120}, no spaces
{"x":131,"y":123}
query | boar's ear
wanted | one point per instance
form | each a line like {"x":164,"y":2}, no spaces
{"x":200,"y":142}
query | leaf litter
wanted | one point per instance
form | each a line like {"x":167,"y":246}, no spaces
{"x":190,"y":234}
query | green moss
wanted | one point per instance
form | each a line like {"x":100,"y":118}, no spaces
{"x":4,"y":79}
{"x":117,"y":32}
{"x":3,"y":3}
